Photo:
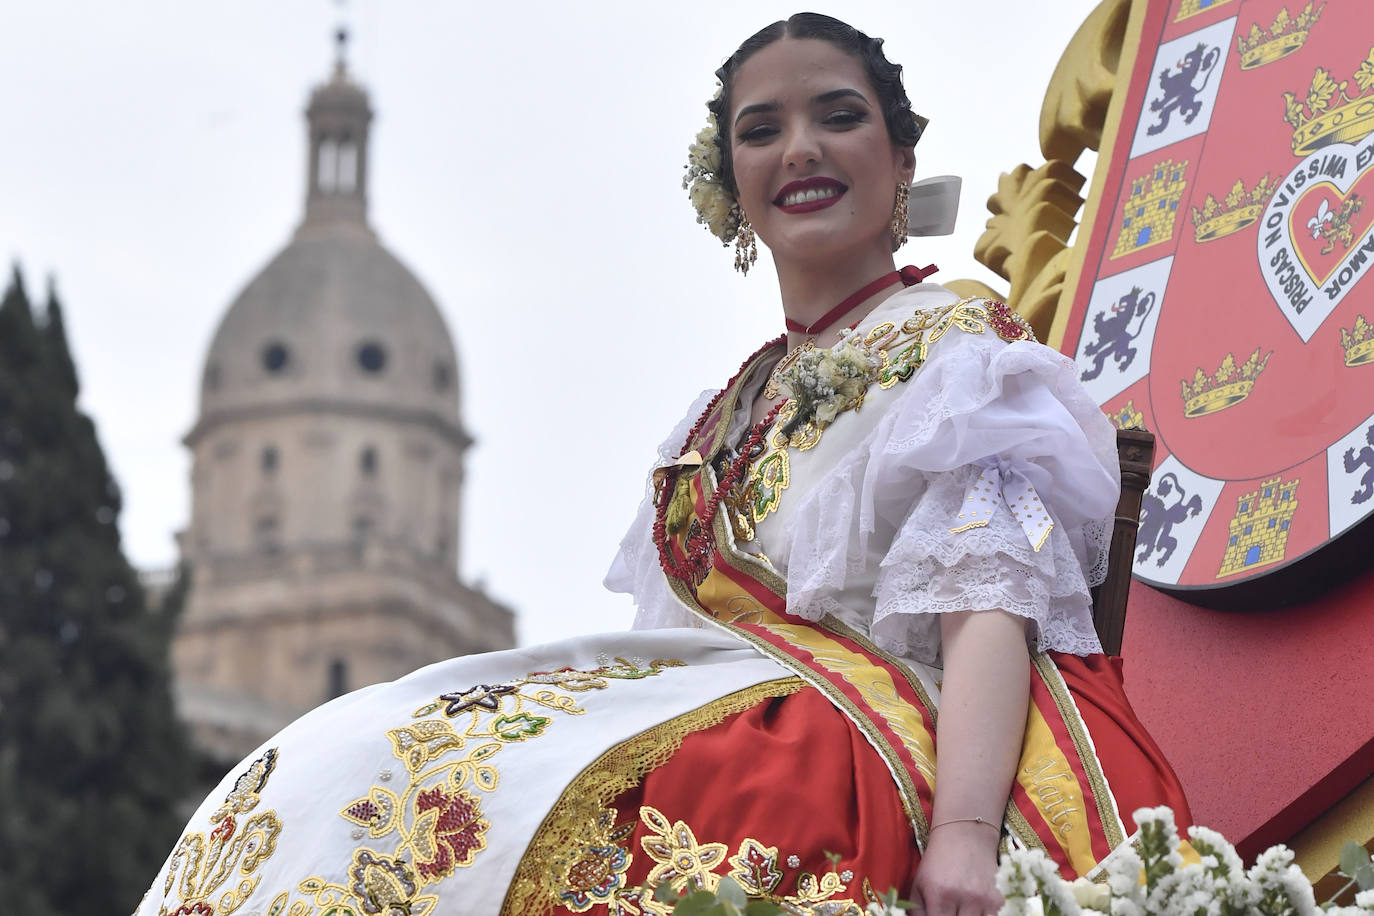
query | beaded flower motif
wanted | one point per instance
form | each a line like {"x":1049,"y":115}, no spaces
{"x":716,"y":207}
{"x":825,"y":382}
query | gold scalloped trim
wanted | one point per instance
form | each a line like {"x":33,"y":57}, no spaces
{"x":535,"y":886}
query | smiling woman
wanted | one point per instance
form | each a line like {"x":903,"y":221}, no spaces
{"x":876,"y":540}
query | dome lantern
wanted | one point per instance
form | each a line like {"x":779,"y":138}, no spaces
{"x":339,"y":117}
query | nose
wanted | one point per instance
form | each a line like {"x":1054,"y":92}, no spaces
{"x":802,"y":147}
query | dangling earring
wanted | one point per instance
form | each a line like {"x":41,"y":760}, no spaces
{"x":745,"y":251}
{"x":901,"y":215}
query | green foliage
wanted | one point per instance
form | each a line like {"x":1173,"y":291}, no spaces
{"x":728,"y":899}
{"x":1357,"y":865}
{"x":92,"y":759}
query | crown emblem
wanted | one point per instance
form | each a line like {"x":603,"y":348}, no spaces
{"x":1228,"y":387}
{"x":1127,"y":417}
{"x":1358,"y":342}
{"x":1286,"y":35}
{"x":1258,"y":533}
{"x":1238,"y":209}
{"x":1316,"y":123}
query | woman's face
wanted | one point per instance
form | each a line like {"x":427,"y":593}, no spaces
{"x":816,"y":172}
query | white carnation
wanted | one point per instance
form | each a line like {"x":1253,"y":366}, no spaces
{"x":1091,"y":894}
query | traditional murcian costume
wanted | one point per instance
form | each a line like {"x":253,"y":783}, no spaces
{"x":772,"y":717}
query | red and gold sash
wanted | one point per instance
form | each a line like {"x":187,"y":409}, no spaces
{"x":1060,"y":800}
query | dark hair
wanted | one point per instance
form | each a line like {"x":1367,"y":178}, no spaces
{"x":903,"y":125}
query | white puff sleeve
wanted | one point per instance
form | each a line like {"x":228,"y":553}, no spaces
{"x":635,"y":569}
{"x":989,"y":481}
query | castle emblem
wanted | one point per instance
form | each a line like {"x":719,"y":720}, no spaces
{"x":1182,"y":87}
{"x":1287,"y":34}
{"x":1358,"y":343}
{"x":1114,"y":334}
{"x":1363,"y":459}
{"x":1230,"y":385}
{"x":1128,"y":417}
{"x":1240,"y":208}
{"x":1189,"y":8}
{"x":1158,"y":518}
{"x":1148,"y":215}
{"x":1259,"y":531}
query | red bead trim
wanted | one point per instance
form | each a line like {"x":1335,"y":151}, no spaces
{"x":1005,"y":323}
{"x":700,"y":541}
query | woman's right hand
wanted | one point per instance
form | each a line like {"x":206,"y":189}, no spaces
{"x":957,"y":875}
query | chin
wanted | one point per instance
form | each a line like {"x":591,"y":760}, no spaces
{"x":822,"y":246}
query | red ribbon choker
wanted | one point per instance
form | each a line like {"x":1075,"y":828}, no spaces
{"x":908,"y":276}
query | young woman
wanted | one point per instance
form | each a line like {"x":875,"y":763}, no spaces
{"x":877,"y":540}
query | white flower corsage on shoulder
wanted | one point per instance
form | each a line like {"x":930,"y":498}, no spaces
{"x":826,"y":382}
{"x":716,"y":207}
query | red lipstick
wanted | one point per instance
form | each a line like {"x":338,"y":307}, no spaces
{"x":830,"y":186}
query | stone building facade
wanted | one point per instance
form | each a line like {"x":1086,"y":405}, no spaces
{"x":327,"y":471}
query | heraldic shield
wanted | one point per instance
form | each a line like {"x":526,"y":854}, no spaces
{"x":1225,"y":300}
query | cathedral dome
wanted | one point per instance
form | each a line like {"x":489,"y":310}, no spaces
{"x":333,"y":320}
{"x":334,"y":323}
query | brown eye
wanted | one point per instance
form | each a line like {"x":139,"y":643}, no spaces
{"x":756,"y":134}
{"x":845,"y":118}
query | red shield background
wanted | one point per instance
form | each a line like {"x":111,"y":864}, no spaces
{"x":1243,"y":345}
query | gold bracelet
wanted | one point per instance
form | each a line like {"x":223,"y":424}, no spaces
{"x":969,"y":820}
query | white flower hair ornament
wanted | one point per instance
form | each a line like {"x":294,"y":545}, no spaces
{"x":717,"y":209}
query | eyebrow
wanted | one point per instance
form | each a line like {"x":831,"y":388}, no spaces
{"x":823,"y":99}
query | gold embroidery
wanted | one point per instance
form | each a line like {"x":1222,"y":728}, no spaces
{"x":1113,"y":829}
{"x":206,"y":863}
{"x":576,"y":825}
{"x":770,"y":387}
{"x":902,"y":350}
{"x":680,"y":860}
{"x":436,"y":824}
{"x":599,"y":874}
{"x":876,"y":687}
{"x":686,"y":865}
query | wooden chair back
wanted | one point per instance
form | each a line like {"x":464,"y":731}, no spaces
{"x":1135,"y":449}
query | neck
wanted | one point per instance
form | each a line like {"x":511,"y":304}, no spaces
{"x":809,"y":291}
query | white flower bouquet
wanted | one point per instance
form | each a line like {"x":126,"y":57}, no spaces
{"x":1150,"y":879}
{"x":825,"y":382}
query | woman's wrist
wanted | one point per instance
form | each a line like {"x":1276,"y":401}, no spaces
{"x":995,"y":825}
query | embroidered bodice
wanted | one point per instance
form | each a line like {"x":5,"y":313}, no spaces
{"x":971,"y":473}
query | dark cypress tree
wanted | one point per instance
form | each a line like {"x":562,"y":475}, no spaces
{"x":92,"y":760}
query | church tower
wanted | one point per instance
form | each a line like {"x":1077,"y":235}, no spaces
{"x":327,"y":470}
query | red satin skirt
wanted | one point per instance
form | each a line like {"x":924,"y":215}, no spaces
{"x":789,"y":792}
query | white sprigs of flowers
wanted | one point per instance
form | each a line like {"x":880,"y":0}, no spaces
{"x":826,"y":382}
{"x":716,"y":207}
{"x":1155,"y":882}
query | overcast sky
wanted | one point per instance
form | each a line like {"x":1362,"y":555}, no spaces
{"x":526,"y":160}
